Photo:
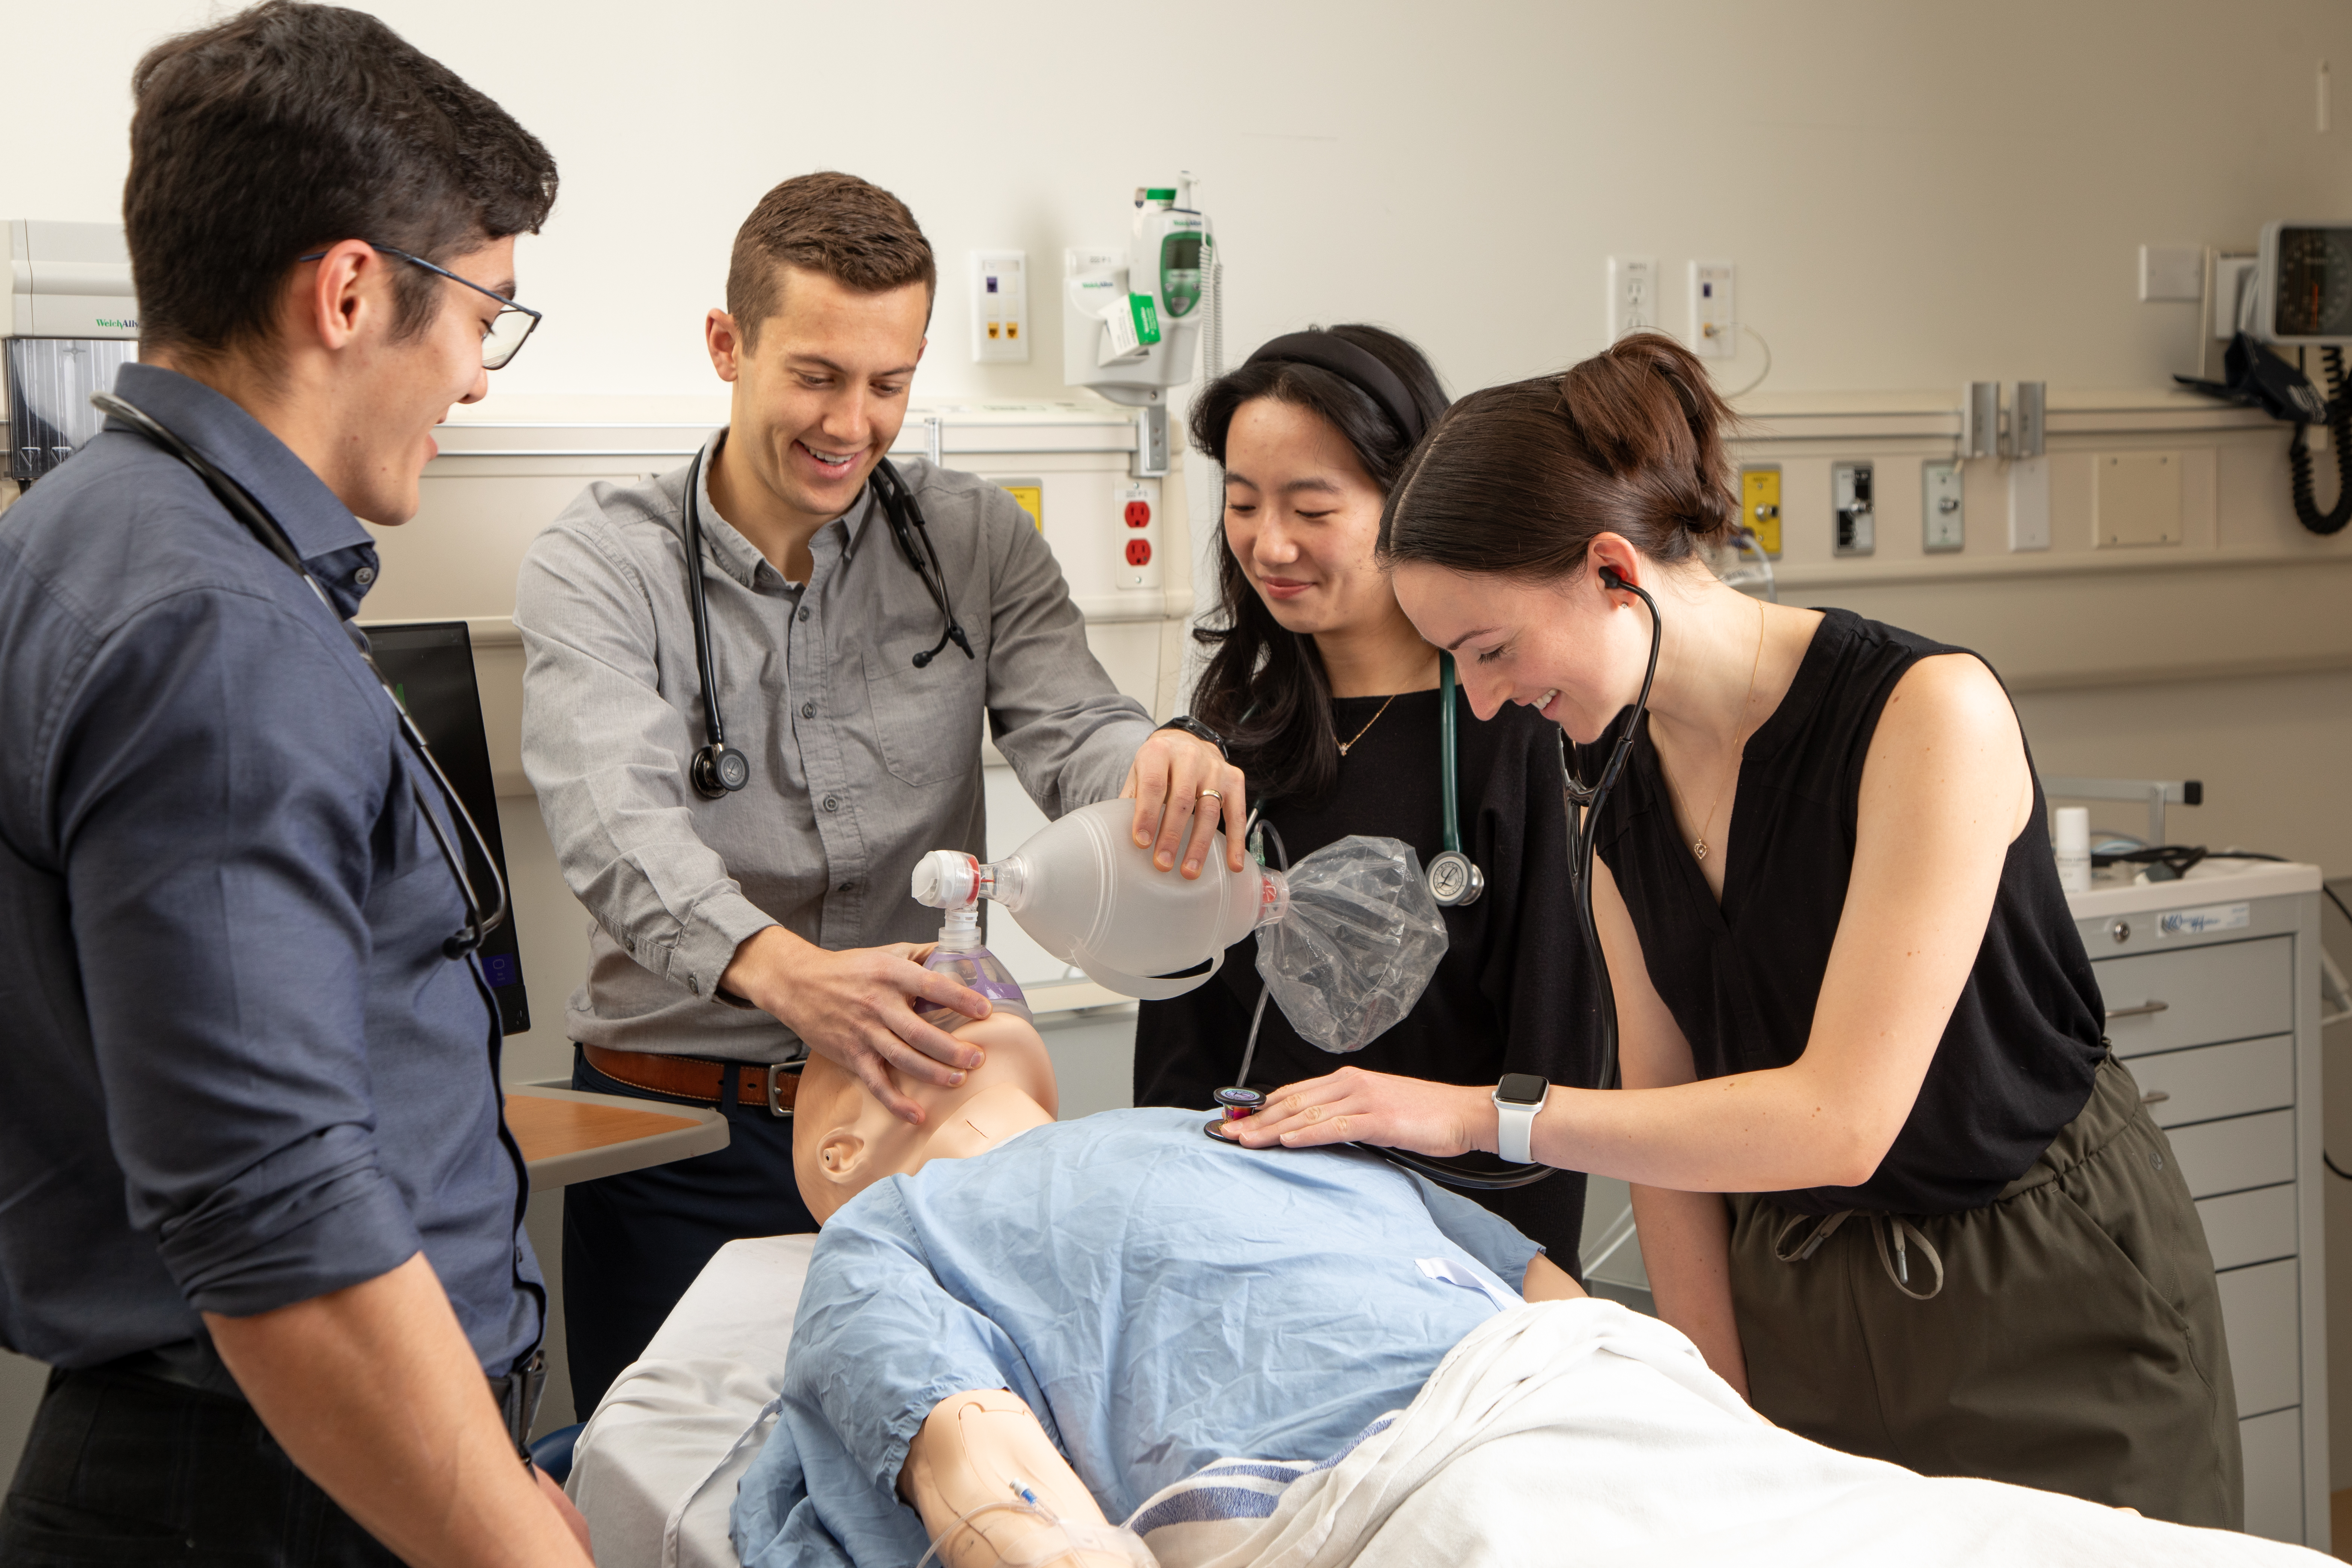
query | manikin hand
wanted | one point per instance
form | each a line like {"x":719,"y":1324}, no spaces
{"x":1165,"y":782}
{"x":1440,"y":1120}
{"x":858,"y":1007}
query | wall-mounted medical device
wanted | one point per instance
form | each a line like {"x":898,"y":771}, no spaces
{"x":2297,"y":294}
{"x":2302,"y":294}
{"x":1132,"y":317}
{"x":73,"y":322}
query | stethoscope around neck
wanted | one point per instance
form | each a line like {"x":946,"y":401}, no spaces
{"x":717,"y":770}
{"x":480,"y":920}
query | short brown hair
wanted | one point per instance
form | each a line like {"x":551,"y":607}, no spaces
{"x":287,"y":127}
{"x":853,"y":231}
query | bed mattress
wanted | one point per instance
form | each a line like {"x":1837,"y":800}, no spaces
{"x":655,"y":1472}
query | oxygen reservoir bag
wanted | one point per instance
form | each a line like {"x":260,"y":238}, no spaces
{"x":1349,"y":935}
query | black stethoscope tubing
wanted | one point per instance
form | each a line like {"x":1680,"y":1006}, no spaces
{"x":265,"y":529}
{"x":717,"y":770}
{"x":1585,"y":835}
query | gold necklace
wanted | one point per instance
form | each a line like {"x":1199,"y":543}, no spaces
{"x":1368,"y":725}
{"x":1698,"y":844}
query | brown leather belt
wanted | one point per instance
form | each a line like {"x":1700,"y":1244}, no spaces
{"x":694,"y":1078}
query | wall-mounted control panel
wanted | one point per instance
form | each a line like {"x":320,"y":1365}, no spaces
{"x":1854,"y":511}
{"x":1943,"y":519}
{"x":1759,"y":505}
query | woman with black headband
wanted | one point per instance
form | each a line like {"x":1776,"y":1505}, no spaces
{"x":1329,"y":700}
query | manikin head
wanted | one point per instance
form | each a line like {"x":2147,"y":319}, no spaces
{"x":844,"y":1139}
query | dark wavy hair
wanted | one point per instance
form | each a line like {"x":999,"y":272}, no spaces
{"x":1517,"y":480}
{"x":1265,"y":688}
{"x":287,"y":128}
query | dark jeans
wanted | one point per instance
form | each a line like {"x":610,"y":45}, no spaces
{"x":633,"y":1243}
{"x":121,"y":1468}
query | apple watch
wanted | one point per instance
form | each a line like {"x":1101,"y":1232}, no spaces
{"x":1516,"y":1100}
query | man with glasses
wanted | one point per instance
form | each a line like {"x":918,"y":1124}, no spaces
{"x":257,"y":1208}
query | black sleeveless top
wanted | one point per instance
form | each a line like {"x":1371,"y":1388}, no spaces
{"x":2016,"y":1060}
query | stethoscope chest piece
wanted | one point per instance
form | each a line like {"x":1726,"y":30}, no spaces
{"x":1455,"y":879}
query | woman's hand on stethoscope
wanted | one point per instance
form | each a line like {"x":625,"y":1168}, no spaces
{"x":1352,"y":1106}
{"x":1173,"y":776}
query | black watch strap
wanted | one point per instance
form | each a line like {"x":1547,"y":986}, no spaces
{"x":1191,"y":726}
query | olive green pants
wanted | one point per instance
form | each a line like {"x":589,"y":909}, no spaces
{"x":2076,"y":1344}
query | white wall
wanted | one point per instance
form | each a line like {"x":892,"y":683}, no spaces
{"x":1917,"y":194}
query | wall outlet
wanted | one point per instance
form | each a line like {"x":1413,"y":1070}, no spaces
{"x":1853,"y":508}
{"x":1943,"y":517}
{"x":1714,"y":309}
{"x":1000,"y":306}
{"x":1633,"y":295}
{"x":2029,"y":504}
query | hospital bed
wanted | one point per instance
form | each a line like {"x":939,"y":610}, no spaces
{"x":655,"y":1470}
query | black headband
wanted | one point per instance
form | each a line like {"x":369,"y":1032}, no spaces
{"x":1360,"y":368}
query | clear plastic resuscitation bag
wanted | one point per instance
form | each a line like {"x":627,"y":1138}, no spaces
{"x":1356,"y":945}
{"x":1348,"y":938}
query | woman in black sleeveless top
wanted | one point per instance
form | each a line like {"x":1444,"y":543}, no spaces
{"x":1887,"y":1177}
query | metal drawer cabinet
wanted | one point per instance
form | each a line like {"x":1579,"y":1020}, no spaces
{"x":2212,"y":990}
{"x":2197,"y":996}
{"x":2209,"y":1082}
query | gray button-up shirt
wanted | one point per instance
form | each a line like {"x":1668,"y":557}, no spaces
{"x":860,"y":763}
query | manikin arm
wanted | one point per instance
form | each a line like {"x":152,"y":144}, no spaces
{"x":985,"y":1447}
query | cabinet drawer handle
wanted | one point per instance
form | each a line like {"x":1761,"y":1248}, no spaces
{"x":2142,"y":1011}
{"x":2156,"y":1097}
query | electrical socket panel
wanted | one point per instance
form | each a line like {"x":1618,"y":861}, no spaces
{"x":1853,"y":508}
{"x":1633,"y":295}
{"x":1943,"y":513}
{"x":1000,"y":306}
{"x":1714,"y":309}
{"x":1759,"y":505}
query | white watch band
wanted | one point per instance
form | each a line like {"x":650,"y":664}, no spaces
{"x":1514,"y":1128}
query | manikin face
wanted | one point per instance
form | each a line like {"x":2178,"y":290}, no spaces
{"x":844,"y":1140}
{"x":1302,"y":516}
{"x":822,"y":395}
{"x":1570,"y":649}
{"x":409,"y":384}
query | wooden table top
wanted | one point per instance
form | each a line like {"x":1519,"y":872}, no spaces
{"x":545,"y":1127}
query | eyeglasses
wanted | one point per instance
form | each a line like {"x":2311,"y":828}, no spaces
{"x":509,"y":330}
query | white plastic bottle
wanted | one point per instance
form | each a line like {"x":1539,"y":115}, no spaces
{"x":1090,"y":896}
{"x":2071,"y":841}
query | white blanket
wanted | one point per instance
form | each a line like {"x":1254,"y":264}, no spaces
{"x":1580,"y":1431}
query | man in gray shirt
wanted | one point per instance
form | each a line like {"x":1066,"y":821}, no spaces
{"x":737,"y":930}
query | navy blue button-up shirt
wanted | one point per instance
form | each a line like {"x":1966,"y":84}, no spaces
{"x":236,"y":1069}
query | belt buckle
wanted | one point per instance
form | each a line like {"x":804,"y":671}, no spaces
{"x":776,"y":1073}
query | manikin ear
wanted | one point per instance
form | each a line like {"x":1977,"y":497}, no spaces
{"x":841,"y":1155}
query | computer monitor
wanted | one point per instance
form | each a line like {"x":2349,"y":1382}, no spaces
{"x":431,"y":667}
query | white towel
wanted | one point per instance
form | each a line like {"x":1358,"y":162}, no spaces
{"x":1578,"y":1431}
